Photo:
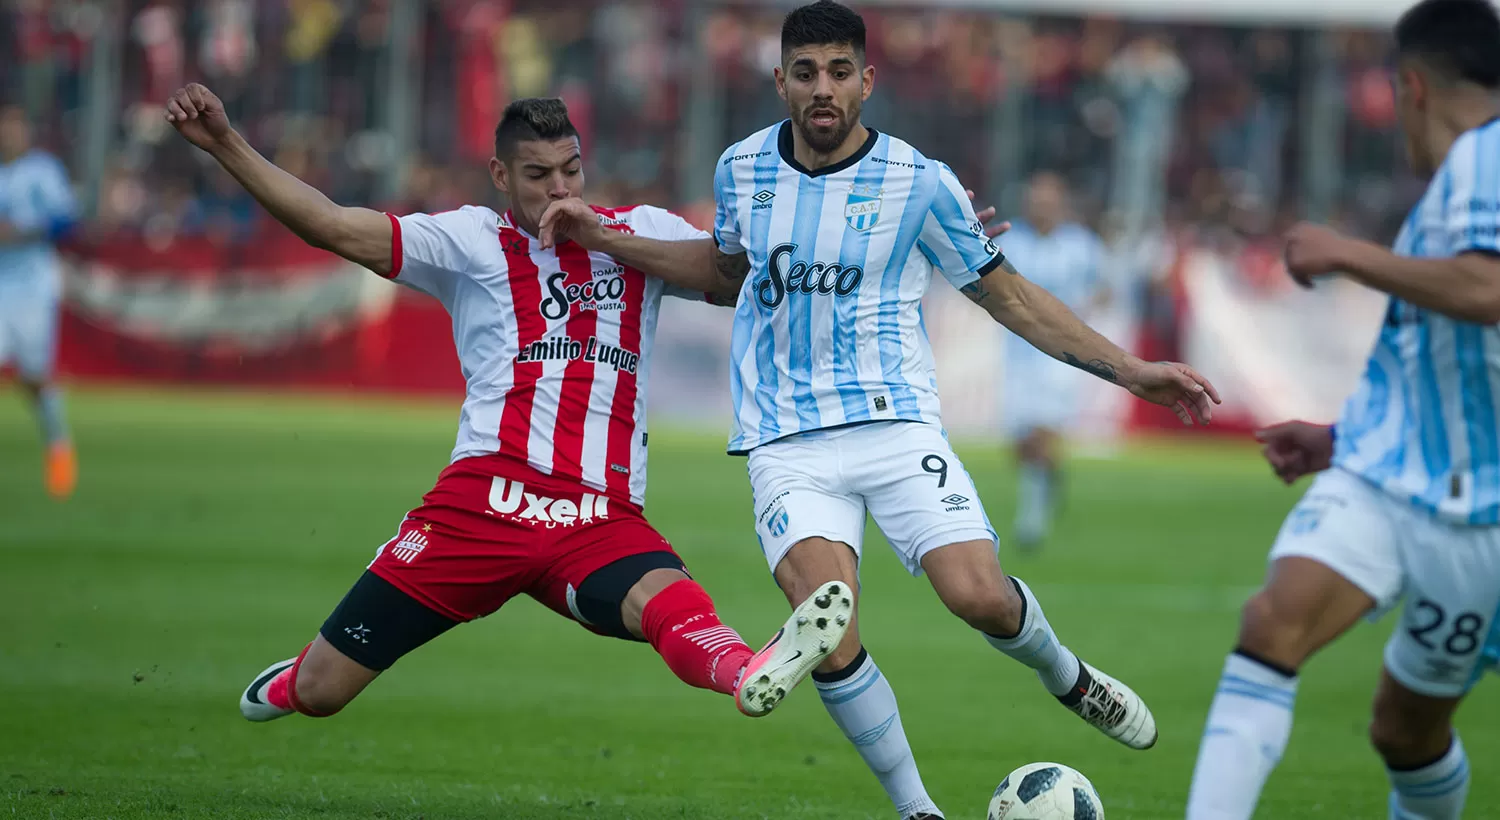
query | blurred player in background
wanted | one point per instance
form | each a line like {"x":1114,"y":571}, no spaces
{"x":839,"y":229}
{"x":548,"y":477}
{"x":1041,"y":395}
{"x":36,"y":208}
{"x":1407,"y":501}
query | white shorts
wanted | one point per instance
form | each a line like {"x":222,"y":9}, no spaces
{"x":28,"y":325}
{"x":903,"y":473}
{"x":1448,"y":575}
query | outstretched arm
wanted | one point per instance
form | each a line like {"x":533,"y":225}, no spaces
{"x":360,"y":235}
{"x":1040,"y":318}
{"x":692,"y":264}
{"x":1464,"y":287}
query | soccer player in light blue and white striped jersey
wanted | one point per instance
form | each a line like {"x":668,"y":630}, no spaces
{"x":1041,"y":395}
{"x":841,"y":228}
{"x":36,"y":207}
{"x":826,"y":239}
{"x":1407,"y":503}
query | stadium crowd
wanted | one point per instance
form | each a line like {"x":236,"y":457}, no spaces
{"x":1176,"y":125}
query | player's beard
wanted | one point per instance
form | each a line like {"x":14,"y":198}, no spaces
{"x":826,"y":140}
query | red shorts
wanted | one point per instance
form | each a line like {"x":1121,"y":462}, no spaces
{"x":493,"y":528}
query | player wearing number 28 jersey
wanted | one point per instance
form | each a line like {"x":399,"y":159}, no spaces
{"x":544,"y":492}
{"x":1407,"y":501}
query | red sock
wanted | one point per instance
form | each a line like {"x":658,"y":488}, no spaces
{"x":282,"y":693}
{"x":682,"y":626}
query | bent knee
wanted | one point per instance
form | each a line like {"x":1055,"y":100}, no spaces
{"x":1402,"y":742}
{"x":1409,"y":730}
{"x":995,"y":609}
{"x":1274,"y":632}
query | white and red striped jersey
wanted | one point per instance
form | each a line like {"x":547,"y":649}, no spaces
{"x":555,"y":345}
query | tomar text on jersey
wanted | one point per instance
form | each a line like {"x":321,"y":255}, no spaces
{"x":605,"y":292}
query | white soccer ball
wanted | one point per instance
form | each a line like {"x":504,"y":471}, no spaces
{"x":1045,"y":791}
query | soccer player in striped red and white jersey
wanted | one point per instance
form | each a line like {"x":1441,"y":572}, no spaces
{"x":544,"y":492}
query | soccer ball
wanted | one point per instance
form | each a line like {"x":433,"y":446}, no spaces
{"x":1045,"y":791}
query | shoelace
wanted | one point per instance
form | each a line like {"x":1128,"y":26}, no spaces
{"x":1100,"y":706}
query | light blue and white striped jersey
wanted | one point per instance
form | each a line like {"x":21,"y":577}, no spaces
{"x":828,"y":330}
{"x":34,"y":196}
{"x":1424,"y":425}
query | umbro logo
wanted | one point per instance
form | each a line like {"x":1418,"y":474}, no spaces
{"x":513,"y":244}
{"x":955,"y":502}
{"x":763,"y":200}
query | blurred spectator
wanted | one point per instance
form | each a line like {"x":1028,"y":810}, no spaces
{"x":1148,"y":80}
{"x":1162,"y":128}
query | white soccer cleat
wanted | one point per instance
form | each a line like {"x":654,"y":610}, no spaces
{"x":1111,"y":707}
{"x":809,"y":636}
{"x":253,"y":703}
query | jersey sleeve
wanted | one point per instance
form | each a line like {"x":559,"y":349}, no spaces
{"x":658,"y":223}
{"x":952,"y":237}
{"x":429,"y":251}
{"x":726,"y":206}
{"x":56,"y":209}
{"x":1471,"y":207}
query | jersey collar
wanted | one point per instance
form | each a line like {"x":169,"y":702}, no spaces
{"x":789,"y":154}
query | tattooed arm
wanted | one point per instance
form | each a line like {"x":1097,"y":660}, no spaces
{"x":1041,"y":319}
{"x":1038,"y":317}
{"x":731,"y":269}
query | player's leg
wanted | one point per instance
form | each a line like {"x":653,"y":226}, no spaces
{"x":453,"y":559}
{"x":1036,"y":485}
{"x":855,"y":692}
{"x":1445,"y":641}
{"x":372,"y":627}
{"x":968,"y":578}
{"x":1423,"y":755}
{"x":31,"y":326}
{"x":1335,"y":560}
{"x":810,"y":530}
{"x":925,"y":502}
{"x":620,"y":578}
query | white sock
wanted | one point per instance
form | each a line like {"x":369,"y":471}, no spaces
{"x":1037,"y":646}
{"x":1248,"y":726}
{"x":1033,"y":502}
{"x":1435,"y":791}
{"x":861,"y":702}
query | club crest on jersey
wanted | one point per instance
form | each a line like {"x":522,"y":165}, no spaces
{"x":862,"y":208}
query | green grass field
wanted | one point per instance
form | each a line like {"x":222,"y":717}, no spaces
{"x":212,"y":533}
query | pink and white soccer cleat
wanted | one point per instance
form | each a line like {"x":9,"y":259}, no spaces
{"x":254,"y":704}
{"x":809,"y":636}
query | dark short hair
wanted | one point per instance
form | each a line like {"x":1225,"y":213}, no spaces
{"x":1460,"y":39}
{"x":534,"y":118}
{"x":824,"y":23}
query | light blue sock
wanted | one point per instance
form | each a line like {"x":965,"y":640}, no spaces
{"x":1435,"y":791}
{"x":49,"y":415}
{"x":860,"y":700}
